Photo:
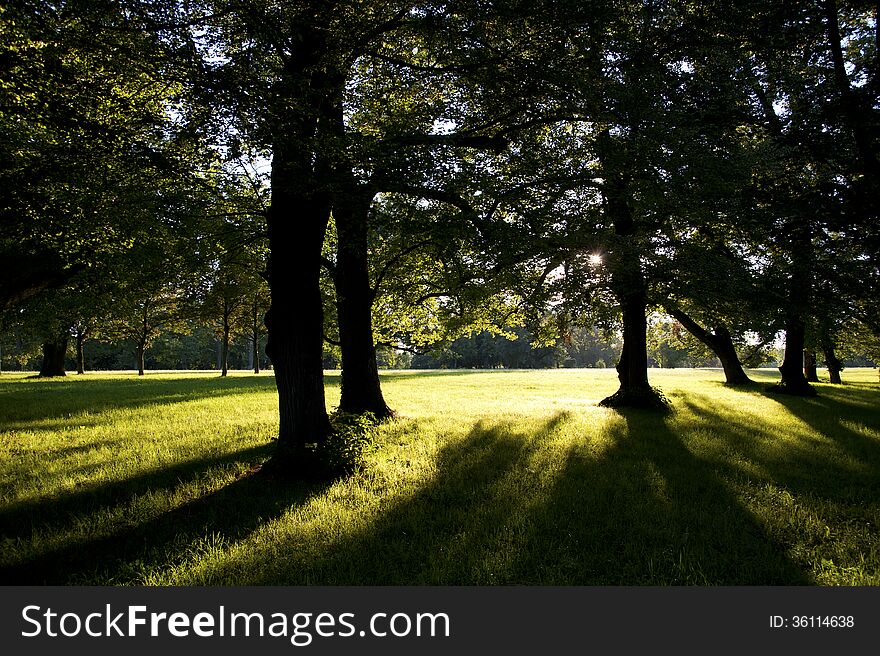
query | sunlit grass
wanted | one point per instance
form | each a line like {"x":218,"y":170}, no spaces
{"x":504,"y":477}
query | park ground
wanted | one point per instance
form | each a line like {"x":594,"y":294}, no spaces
{"x":484,"y":477}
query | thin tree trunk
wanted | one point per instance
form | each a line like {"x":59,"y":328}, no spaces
{"x":810,"y":370}
{"x":361,"y":389}
{"x":224,"y":346}
{"x":140,"y":349}
{"x":256,"y":352}
{"x":255,"y":338}
{"x":721,"y":344}
{"x":80,"y":354}
{"x":54,"y":354}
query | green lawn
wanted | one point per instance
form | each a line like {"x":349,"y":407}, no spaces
{"x":504,"y":477}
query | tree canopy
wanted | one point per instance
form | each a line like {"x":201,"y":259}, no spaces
{"x":393,"y":175}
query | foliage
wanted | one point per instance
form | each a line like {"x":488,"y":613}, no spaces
{"x":345,"y":451}
{"x":350,"y":443}
{"x":91,"y":154}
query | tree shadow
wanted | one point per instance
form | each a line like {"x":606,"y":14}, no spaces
{"x":498,"y":511}
{"x":20,"y":520}
{"x":435,"y":535}
{"x":650,"y":512}
{"x":66,"y":400}
{"x":838,"y":462}
{"x":227,"y":514}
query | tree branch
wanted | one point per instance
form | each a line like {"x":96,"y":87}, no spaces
{"x":383,"y":272}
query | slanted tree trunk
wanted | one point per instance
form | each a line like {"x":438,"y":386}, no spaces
{"x":54,"y":354}
{"x":833,"y":364}
{"x":857,"y":113}
{"x":810,"y":370}
{"x":721,"y":344}
{"x":792,"y":368}
{"x":361,"y":389}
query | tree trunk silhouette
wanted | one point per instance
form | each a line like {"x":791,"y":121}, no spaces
{"x":255,"y":339}
{"x":833,"y":364}
{"x":140,"y":349}
{"x":361,"y":388}
{"x":628,"y":285}
{"x":721,"y":344}
{"x":810,"y":369}
{"x":792,"y":368}
{"x":224,"y":345}
{"x":54,"y":354}
{"x":297,"y":220}
{"x":80,"y":354}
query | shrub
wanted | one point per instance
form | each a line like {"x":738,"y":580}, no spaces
{"x":352,"y":438}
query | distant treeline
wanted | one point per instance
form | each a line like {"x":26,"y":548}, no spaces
{"x":201,"y":350}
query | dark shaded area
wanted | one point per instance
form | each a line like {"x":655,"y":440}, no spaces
{"x":832,"y":414}
{"x":689,"y":528}
{"x":21,"y":519}
{"x":231,"y":512}
{"x":606,"y":520}
{"x":72,"y":397}
{"x":646,"y":399}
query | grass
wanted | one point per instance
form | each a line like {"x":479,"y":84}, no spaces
{"x":504,"y":477}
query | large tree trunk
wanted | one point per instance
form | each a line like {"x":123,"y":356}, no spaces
{"x":632,"y":370}
{"x":297,"y":220}
{"x":721,"y":344}
{"x":792,"y":368}
{"x":798,"y":294}
{"x":302,"y":122}
{"x":54,"y":354}
{"x":361,"y":388}
{"x":628,"y":285}
{"x":811,"y":372}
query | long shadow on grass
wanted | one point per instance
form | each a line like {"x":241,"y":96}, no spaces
{"x":63,"y":512}
{"x":503,"y":509}
{"x":836,"y":462}
{"x":827,"y":413}
{"x":55,"y":404}
{"x":227,"y":514}
{"x":650,"y":512}
{"x":445,"y":530}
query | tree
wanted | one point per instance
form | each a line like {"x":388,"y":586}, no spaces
{"x":821,"y":160}
{"x":87,"y":130}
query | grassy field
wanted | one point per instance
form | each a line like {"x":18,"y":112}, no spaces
{"x":504,"y":477}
